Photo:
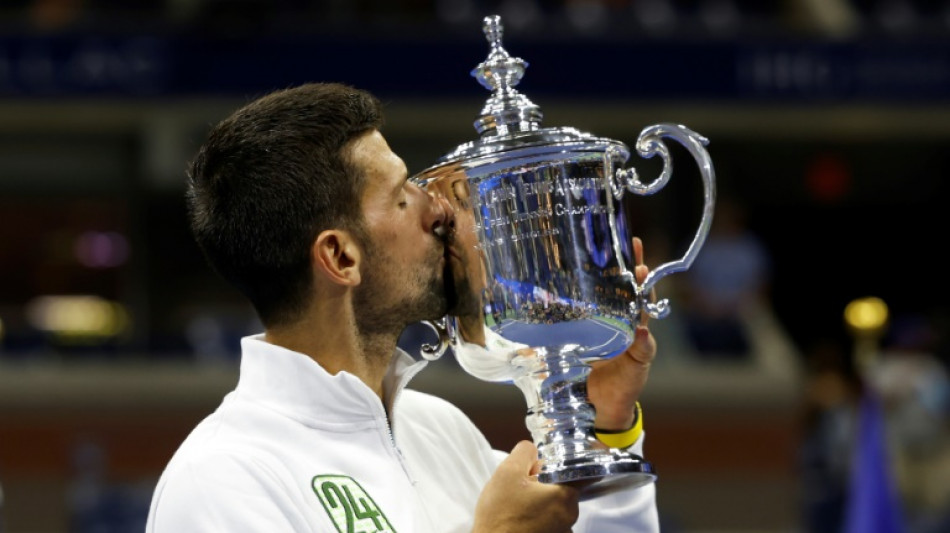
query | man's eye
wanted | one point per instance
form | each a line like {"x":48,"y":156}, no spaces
{"x":461,"y":194}
{"x":460,"y":201}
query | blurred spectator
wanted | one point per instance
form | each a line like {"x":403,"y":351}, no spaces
{"x":55,"y":14}
{"x":914,"y":389}
{"x":98,"y":504}
{"x":835,"y":18}
{"x":831,"y":392}
{"x":727,"y":283}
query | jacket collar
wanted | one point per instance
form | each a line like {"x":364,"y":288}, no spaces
{"x":295,"y":384}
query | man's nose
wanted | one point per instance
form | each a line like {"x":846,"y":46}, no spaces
{"x":443,"y":215}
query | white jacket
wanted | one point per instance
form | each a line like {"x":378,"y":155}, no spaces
{"x":294,"y":448}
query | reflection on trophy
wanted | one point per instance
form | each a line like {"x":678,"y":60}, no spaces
{"x":539,"y":264}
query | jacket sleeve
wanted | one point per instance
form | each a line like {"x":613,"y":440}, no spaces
{"x":623,"y":511}
{"x":222,"y":493}
{"x":631,"y":510}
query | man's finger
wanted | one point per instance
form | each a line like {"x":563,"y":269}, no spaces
{"x":525,"y":457}
{"x":637,"y":251}
{"x":640,"y":273}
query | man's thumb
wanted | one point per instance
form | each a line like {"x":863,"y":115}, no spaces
{"x":525,"y":456}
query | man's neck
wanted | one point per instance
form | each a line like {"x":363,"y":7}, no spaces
{"x":338,"y":348}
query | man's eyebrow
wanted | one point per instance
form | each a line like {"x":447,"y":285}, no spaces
{"x":401,"y":183}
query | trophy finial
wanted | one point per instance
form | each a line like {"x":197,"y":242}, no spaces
{"x":507,"y":110}
{"x":493,"y":30}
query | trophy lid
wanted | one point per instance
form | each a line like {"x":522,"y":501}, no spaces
{"x":509,"y":121}
{"x":507,"y":110}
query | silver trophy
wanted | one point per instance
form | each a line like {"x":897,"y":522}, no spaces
{"x":539,"y":264}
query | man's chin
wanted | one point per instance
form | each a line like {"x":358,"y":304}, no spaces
{"x":449,"y":295}
{"x":462,"y":302}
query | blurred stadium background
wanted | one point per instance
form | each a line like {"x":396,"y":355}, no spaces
{"x":829,"y":123}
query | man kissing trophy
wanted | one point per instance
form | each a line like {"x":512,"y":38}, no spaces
{"x":540,"y":264}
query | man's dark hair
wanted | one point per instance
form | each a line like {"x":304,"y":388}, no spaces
{"x":269,"y":179}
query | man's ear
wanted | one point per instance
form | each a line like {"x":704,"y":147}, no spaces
{"x":337,"y":256}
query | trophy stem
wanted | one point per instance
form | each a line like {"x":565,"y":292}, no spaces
{"x":561,"y":421}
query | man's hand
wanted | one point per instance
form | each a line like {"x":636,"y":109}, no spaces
{"x":514,"y":500}
{"x":614,"y":386}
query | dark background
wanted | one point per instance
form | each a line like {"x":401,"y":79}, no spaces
{"x":828,"y":125}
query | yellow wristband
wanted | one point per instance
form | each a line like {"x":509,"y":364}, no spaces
{"x":623,"y":439}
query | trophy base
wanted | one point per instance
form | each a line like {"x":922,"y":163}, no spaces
{"x":601,"y":472}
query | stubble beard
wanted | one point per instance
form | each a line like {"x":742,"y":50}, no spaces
{"x":383,"y":305}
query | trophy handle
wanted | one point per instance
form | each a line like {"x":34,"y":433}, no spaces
{"x":431,"y":352}
{"x":649,"y":144}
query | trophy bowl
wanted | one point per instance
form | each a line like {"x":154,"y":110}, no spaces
{"x":538,"y":264}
